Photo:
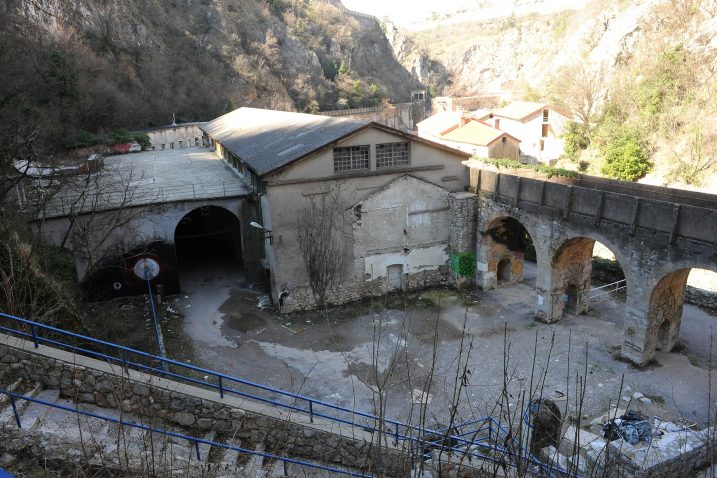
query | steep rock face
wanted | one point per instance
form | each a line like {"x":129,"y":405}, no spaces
{"x":416,"y":60}
{"x":495,"y":54}
{"x":143,"y":61}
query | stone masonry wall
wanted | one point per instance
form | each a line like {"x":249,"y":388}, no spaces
{"x":700,"y":297}
{"x":195,"y":409}
{"x":302,"y":299}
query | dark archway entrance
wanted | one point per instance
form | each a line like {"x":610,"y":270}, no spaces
{"x":209,"y":234}
{"x":506,"y":247}
{"x":505,"y":271}
{"x":572,"y":299}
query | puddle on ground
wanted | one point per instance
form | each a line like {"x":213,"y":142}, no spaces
{"x":238,"y":313}
{"x":244,"y":321}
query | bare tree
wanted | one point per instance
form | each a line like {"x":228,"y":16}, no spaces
{"x":581,"y":90}
{"x":321,"y":229}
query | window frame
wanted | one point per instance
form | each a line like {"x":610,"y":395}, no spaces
{"x":353,"y":158}
{"x":390,"y":157}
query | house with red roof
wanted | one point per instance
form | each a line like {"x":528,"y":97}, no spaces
{"x":538,"y":126}
{"x":468,"y":133}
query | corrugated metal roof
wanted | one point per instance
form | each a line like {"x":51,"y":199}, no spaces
{"x":267,"y":140}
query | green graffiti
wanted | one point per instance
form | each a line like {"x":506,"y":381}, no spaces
{"x":464,"y":264}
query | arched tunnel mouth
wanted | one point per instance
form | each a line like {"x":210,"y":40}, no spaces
{"x":209,"y":235}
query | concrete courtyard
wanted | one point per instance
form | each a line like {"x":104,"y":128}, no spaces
{"x":350,"y":354}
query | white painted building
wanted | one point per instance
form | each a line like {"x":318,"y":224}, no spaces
{"x":538,"y":126}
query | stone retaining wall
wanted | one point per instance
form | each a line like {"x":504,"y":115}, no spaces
{"x":196,"y":409}
{"x":302,"y":299}
{"x":701,"y":297}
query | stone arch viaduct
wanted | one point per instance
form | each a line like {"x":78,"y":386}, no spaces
{"x":656,"y":234}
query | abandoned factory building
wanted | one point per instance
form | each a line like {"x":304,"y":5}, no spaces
{"x":378,"y":198}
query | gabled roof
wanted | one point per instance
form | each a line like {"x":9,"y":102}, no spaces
{"x":388,"y":185}
{"x":476,"y":132}
{"x":519,"y":110}
{"x":268,"y":140}
{"x":439,"y":123}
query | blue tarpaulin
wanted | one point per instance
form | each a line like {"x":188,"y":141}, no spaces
{"x":5,"y":474}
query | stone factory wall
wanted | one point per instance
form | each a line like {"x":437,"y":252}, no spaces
{"x":196,"y":409}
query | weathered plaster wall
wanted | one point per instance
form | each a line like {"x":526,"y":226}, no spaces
{"x":425,"y":219}
{"x":405,"y":224}
{"x":510,"y":149}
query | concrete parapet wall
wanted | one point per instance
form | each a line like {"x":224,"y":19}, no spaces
{"x":650,"y":210}
{"x":196,"y":409}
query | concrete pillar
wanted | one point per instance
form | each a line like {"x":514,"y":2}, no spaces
{"x":462,"y":230}
{"x":653,"y":319}
{"x":638,"y":345}
{"x":564,"y":284}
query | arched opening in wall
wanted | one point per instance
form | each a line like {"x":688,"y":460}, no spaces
{"x":208,"y":237}
{"x":682,"y":312}
{"x":505,"y":271}
{"x":587,"y":276}
{"x":509,"y":252}
{"x":572,"y":298}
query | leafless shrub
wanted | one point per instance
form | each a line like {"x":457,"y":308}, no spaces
{"x":321,"y":230}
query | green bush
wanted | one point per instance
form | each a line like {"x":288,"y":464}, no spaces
{"x":541,"y":168}
{"x":576,"y":139}
{"x":626,"y":155}
{"x":142,"y":139}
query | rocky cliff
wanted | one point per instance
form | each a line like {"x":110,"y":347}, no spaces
{"x":96,"y":64}
{"x":518,"y":46}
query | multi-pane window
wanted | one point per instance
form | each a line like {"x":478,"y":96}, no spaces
{"x":391,"y":155}
{"x":351,"y":158}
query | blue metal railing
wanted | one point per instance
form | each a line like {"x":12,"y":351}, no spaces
{"x":414,"y":435}
{"x":192,"y":440}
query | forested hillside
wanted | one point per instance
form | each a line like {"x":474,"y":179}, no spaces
{"x":71,"y":69}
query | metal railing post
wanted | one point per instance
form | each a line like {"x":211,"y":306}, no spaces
{"x":395,"y":440}
{"x":14,"y":410}
{"x":311,"y":411}
{"x":221,"y":387}
{"x":196,"y":447}
{"x":34,"y":336}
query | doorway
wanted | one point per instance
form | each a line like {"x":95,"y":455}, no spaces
{"x":395,"y":277}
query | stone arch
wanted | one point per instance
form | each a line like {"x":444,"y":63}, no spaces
{"x":570,"y":278}
{"x":664,"y":313}
{"x":503,"y":243}
{"x":208,"y":233}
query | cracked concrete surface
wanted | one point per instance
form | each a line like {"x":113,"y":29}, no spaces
{"x":335,"y":357}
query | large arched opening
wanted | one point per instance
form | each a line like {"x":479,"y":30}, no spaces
{"x":507,"y":253}
{"x":208,"y":235}
{"x":682,"y":309}
{"x":585,"y":275}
